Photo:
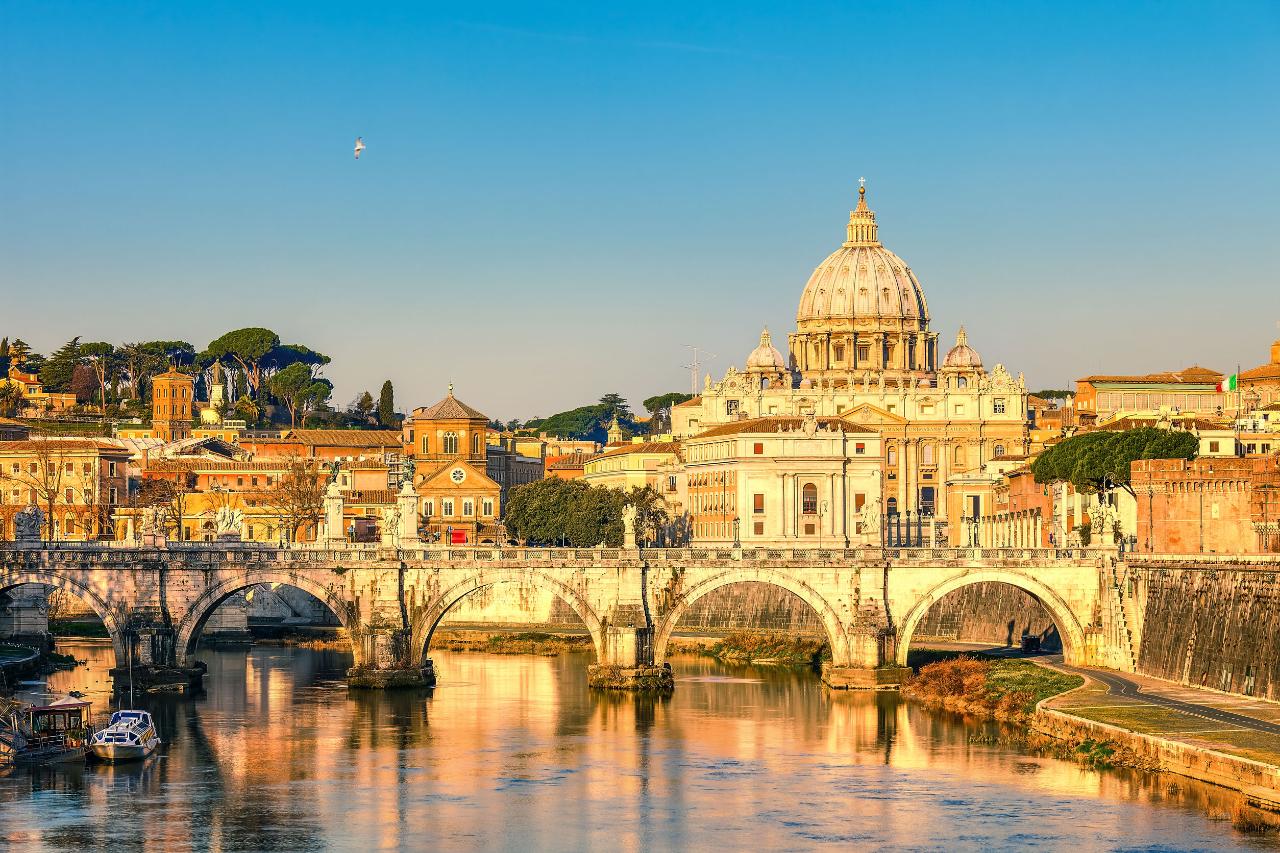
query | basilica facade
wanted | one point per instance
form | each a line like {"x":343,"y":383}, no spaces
{"x":863,"y":353}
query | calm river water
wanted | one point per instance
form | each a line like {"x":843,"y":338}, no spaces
{"x":515,"y":753}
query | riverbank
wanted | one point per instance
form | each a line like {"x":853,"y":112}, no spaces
{"x":1026,"y":696}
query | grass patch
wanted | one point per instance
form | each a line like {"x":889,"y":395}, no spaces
{"x":771,"y":647}
{"x":1003,"y":688}
{"x":521,"y":643}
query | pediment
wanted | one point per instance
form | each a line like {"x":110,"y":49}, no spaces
{"x":865,"y":413}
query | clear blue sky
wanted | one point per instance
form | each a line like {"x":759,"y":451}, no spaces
{"x":556,"y":198}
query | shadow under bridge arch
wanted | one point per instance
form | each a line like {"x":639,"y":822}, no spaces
{"x":110,"y":619}
{"x":193,"y":620}
{"x":674,"y":610}
{"x":429,"y":618}
{"x":1069,"y":629}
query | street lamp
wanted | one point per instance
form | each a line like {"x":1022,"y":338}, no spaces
{"x":737,"y":542}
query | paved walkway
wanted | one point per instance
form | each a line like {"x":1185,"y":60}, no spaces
{"x":1239,"y":725}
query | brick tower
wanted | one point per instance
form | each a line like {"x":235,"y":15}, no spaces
{"x":172,"y":395}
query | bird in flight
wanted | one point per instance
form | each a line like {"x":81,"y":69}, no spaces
{"x":359,"y":146}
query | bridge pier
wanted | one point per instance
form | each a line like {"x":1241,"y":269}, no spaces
{"x":871,"y":663}
{"x":625,"y":659}
{"x":387,"y":660}
{"x":151,"y":663}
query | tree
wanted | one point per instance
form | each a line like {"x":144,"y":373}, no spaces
{"x":104,"y":360}
{"x":12,"y":399}
{"x":19,"y":352}
{"x":387,"y":406}
{"x":362,"y":406}
{"x":572,"y":513}
{"x":584,"y":422}
{"x":662,"y":402}
{"x":169,"y":495}
{"x":1099,"y":461}
{"x":248,"y":411}
{"x":41,"y":475}
{"x":615,"y":406}
{"x":247,"y":348}
{"x":138,"y":362}
{"x":297,"y":496}
{"x":56,"y":373}
{"x":84,"y":383}
{"x":4,"y":357}
{"x":295,"y":387}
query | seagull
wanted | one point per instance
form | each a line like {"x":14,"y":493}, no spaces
{"x":359,"y":146}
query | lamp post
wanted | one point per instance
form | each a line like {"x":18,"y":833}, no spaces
{"x":737,"y":542}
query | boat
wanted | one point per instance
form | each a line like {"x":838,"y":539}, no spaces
{"x":130,"y":736}
{"x":55,"y":733}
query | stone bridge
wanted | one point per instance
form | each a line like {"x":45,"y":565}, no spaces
{"x":156,"y":601}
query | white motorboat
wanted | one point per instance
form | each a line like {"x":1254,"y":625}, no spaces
{"x":129,"y":737}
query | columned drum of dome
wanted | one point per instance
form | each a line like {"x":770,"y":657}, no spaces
{"x":863,"y":314}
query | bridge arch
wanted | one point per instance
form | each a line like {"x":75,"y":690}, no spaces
{"x":425,"y":623}
{"x":1069,"y":628}
{"x":110,"y":619}
{"x":197,"y":614}
{"x":831,"y":622}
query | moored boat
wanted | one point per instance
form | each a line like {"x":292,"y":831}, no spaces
{"x":129,"y":736}
{"x":45,"y":734}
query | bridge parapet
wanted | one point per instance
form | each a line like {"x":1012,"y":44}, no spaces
{"x":208,"y":554}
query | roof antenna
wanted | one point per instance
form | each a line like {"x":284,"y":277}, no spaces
{"x":693,"y":368}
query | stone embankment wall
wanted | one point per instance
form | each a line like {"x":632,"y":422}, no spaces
{"x":988,"y":613}
{"x":1207,"y":624}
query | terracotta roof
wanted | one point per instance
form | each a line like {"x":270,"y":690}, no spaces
{"x":343,"y":437}
{"x":641,"y":447}
{"x":1009,"y":457}
{"x":450,"y":408}
{"x":569,"y":460}
{"x":774,"y":423}
{"x":1129,"y":422}
{"x":1266,"y":371}
{"x":173,"y":466}
{"x":59,"y":444}
{"x":696,"y":401}
{"x":1194,"y":375}
{"x":371,"y":496}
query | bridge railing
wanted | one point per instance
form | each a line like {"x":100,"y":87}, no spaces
{"x":354,"y":554}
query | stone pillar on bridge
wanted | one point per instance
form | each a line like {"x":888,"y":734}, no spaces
{"x":625,"y":656}
{"x":407,"y":502}
{"x":867,"y":658}
{"x":333,"y":527}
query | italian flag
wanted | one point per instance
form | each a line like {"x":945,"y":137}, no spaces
{"x":1228,"y":384}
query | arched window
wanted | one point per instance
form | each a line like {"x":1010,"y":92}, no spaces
{"x":809,"y":499}
{"x":960,"y":458}
{"x":891,"y":506}
{"x":450,"y":443}
{"x":892,"y":457}
{"x":962,"y":382}
{"x":475,"y":444}
{"x":999,"y":451}
{"x":926,"y":455}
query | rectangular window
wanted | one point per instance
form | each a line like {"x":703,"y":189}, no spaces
{"x":488,"y":506}
{"x":730,"y":407}
{"x":859,"y":448}
{"x":87,"y":468}
{"x":239,"y":481}
{"x":864,"y":353}
{"x":758,"y":528}
{"x":859,"y":499}
{"x":839,"y":348}
{"x":425,"y":448}
{"x":960,"y":409}
{"x":1213,"y":447}
{"x":809,"y":529}
{"x":757,"y":503}
{"x":113,"y":496}
{"x":70,"y":467}
{"x":468,"y":508}
{"x":998,"y":406}
{"x":429,"y":509}
{"x":759,"y":448}
{"x":70,"y":496}
{"x":111,"y":469}
{"x":446,"y":508}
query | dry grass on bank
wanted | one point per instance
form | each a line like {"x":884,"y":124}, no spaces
{"x":1001,"y":688}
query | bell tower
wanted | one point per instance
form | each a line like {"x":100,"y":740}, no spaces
{"x":172,"y":399}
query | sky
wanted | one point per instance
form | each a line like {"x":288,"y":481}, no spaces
{"x":558,"y":199}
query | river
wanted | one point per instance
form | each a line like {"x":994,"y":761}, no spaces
{"x":515,"y":753}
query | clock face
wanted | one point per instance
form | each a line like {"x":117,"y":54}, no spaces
{"x":457,"y":475}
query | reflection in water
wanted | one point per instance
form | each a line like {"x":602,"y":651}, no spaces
{"x":516,"y":753}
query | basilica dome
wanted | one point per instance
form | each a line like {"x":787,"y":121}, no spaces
{"x":863,"y":315}
{"x":862,"y":279}
{"x":962,"y":355}
{"x":766,"y":357}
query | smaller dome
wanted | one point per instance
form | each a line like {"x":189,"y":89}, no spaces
{"x":766,"y":357}
{"x":963,"y":356}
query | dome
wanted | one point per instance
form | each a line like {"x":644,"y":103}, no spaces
{"x":766,"y":357}
{"x":862,"y":279}
{"x":963,"y":356}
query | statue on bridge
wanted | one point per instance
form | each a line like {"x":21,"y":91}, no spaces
{"x":27,"y":524}
{"x":228,"y":522}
